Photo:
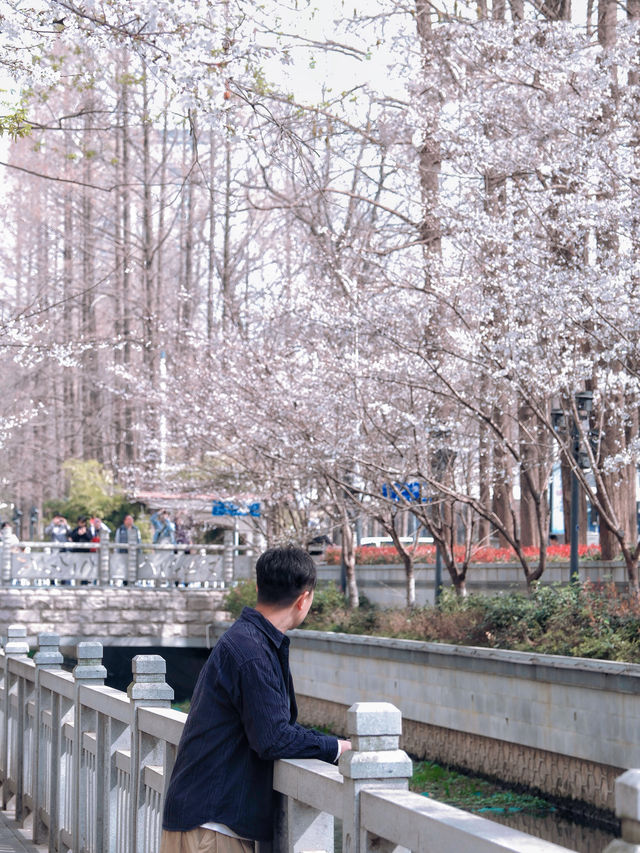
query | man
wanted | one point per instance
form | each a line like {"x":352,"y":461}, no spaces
{"x":122,"y":533}
{"x":80,"y":532}
{"x":243,"y":717}
{"x":58,"y":530}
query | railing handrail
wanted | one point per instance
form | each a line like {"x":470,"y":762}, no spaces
{"x":106,"y":561}
{"x":114,"y":544}
{"x":404,"y":818}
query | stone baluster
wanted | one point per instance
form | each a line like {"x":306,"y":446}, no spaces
{"x":47,"y":657}
{"x":88,"y":671}
{"x":627,"y":794}
{"x":374,"y":762}
{"x":228,"y":555}
{"x":15,"y":647}
{"x":147,"y":690}
{"x":103,"y":559}
{"x":132,"y":556}
{"x":6,"y":556}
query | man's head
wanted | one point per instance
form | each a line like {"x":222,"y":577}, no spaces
{"x":128,"y":521}
{"x":283,"y":574}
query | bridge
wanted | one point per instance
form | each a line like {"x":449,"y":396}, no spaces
{"x":107,"y":563}
{"x":131,"y":594}
{"x":83,"y":767}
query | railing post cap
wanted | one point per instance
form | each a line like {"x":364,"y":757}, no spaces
{"x":16,"y":640}
{"x":48,"y":638}
{"x":627,"y":795}
{"x":48,"y":653}
{"x":89,"y":650}
{"x":148,"y":665}
{"x":89,"y":667}
{"x":149,"y":686}
{"x":374,"y":718}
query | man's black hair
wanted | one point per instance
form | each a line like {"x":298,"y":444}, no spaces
{"x":283,"y":574}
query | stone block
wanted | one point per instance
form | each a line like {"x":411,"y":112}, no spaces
{"x":394,"y":764}
{"x":373,"y":743}
{"x":627,"y":794}
{"x":374,"y":718}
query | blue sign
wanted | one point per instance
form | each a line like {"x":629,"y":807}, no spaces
{"x":229,"y":508}
{"x":410,"y":492}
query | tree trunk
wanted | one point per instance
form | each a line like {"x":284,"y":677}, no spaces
{"x":484,"y":527}
{"x":348,"y":553}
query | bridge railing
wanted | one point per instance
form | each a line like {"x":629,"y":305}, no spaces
{"x":105,"y":563}
{"x":85,"y":768}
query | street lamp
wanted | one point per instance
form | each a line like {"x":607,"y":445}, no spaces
{"x":561,"y":421}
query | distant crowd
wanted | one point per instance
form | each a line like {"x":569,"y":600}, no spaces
{"x":91,"y":528}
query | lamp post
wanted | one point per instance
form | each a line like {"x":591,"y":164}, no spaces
{"x":561,"y":422}
{"x":17,"y":522}
{"x":33,"y":522}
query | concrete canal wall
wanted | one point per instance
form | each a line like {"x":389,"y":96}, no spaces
{"x":564,"y":726}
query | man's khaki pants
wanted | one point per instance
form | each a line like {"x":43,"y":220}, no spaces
{"x":201,"y":840}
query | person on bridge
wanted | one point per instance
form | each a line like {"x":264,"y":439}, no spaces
{"x":243,"y":715}
{"x":164,"y":530}
{"x":124,"y":533}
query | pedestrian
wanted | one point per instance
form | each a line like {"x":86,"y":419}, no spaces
{"x":98,"y":528}
{"x":243,"y":714}
{"x":58,"y":530}
{"x":164,"y":530}
{"x":7,"y":535}
{"x":122,"y":533}
{"x":81,"y":533}
{"x":183,"y":532}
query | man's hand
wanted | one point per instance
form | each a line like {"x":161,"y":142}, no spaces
{"x":344,"y":745}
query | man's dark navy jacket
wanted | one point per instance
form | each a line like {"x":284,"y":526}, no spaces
{"x":243,"y":717}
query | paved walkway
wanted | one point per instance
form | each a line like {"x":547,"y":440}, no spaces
{"x":12,"y":840}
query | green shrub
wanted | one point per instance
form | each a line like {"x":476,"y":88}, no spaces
{"x":327,"y":600}
{"x":243,"y":594}
{"x":582,"y":621}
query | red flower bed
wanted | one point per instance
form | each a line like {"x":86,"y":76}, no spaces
{"x":370,"y":556}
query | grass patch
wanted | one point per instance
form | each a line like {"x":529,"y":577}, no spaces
{"x":471,"y":793}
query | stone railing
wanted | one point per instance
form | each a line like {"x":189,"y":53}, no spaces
{"x":85,"y":767}
{"x":106,"y":563}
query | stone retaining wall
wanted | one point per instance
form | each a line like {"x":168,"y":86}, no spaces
{"x":386,"y":584}
{"x":116,"y":616}
{"x":537,"y":770}
{"x":564,"y":726}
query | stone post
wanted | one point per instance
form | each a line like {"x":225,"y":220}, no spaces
{"x":627,"y":794}
{"x":103,"y":559}
{"x":88,"y":671}
{"x":227,"y":555}
{"x":374,"y":762}
{"x":48,"y":656}
{"x":132,"y":556}
{"x":6,"y":556}
{"x":147,"y":690}
{"x":15,"y":647}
